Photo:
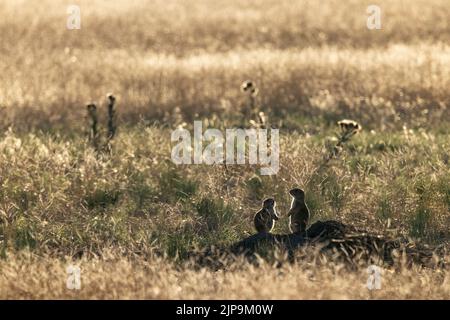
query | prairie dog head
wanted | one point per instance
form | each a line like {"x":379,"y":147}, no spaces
{"x":297,"y":194}
{"x":269,"y":205}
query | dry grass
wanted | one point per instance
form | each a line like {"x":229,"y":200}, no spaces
{"x":307,"y":57}
{"x":170,"y":62}
{"x":111,"y":277}
{"x":372,"y":85}
{"x":65,"y":198}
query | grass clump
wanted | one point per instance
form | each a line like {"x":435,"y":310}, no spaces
{"x":174,"y":187}
{"x":216,"y":214}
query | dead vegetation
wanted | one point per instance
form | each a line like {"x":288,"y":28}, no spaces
{"x":122,"y":210}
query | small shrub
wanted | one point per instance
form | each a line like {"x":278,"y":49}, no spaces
{"x":215,"y":213}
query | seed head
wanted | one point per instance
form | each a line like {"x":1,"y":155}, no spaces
{"x":110,"y":97}
{"x":349,"y":126}
{"x":246,"y":85}
{"x":249,"y":87}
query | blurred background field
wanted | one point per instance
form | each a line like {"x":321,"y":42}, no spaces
{"x":309,"y":58}
{"x":172,"y":62}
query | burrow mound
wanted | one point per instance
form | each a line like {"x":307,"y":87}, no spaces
{"x":333,"y":240}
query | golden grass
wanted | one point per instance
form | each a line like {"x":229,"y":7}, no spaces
{"x":303,"y":55}
{"x":112,"y":277}
{"x":374,"y":85}
{"x":61,"y":196}
{"x":174,"y":61}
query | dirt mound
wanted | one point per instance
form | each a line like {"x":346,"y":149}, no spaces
{"x":336,"y":242}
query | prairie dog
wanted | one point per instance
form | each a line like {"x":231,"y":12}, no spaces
{"x":265,"y":218}
{"x":299,"y":212}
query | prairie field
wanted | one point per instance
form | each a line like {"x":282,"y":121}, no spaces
{"x":129,"y":217}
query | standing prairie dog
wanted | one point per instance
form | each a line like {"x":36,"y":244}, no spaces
{"x":299,"y":212}
{"x":265,"y":218}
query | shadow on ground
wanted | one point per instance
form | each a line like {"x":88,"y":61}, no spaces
{"x":327,"y":241}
